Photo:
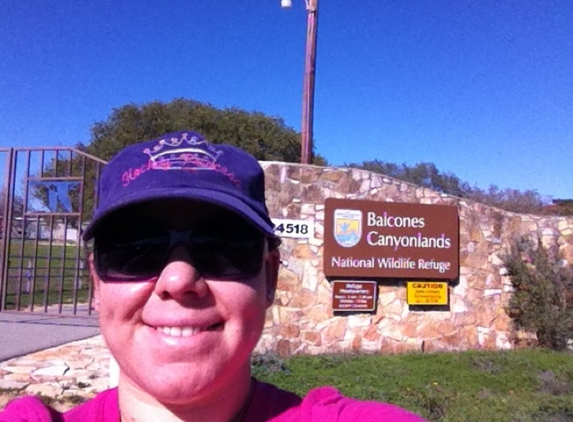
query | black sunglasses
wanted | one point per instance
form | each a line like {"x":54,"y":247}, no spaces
{"x":216,"y":251}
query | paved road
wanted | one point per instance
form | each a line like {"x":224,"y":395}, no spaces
{"x":24,"y":333}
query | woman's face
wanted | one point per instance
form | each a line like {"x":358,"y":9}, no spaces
{"x":180,"y":335}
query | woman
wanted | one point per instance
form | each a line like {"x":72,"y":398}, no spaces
{"x":185,"y":265}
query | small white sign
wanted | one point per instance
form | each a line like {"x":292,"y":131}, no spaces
{"x":293,"y":228}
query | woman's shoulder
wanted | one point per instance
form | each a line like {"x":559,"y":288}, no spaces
{"x":28,"y":409}
{"x":320,"y":404}
{"x":327,"y":403}
{"x":104,"y":407}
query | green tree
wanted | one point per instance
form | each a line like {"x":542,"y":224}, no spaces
{"x":266,"y":138}
{"x":542,"y":298}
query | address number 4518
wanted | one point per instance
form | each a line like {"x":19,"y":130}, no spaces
{"x":293,"y":228}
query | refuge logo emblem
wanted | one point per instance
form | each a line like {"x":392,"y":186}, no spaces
{"x":347,"y":227}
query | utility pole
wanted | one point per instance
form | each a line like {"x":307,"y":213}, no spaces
{"x":309,"y":77}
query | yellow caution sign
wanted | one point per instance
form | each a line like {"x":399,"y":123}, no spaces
{"x":427,"y":292}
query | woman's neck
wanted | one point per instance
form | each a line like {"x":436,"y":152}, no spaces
{"x":228,"y":404}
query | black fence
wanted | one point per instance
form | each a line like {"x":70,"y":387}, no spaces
{"x":46,"y":199}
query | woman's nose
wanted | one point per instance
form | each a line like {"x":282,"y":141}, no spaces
{"x":179,"y":277}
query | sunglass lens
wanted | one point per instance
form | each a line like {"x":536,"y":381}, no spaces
{"x":132,"y":260}
{"x":227,"y":251}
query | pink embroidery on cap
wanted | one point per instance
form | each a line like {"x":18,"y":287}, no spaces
{"x":183,"y":154}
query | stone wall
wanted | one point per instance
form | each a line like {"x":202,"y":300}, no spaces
{"x":302,"y":320}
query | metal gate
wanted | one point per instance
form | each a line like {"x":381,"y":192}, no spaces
{"x":46,"y":199}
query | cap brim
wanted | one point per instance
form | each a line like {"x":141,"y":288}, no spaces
{"x":219,"y":198}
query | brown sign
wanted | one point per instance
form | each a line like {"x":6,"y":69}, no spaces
{"x":390,"y":240}
{"x":353,"y":295}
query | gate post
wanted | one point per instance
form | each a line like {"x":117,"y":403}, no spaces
{"x":6,"y":232}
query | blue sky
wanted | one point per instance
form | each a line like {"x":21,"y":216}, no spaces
{"x":482,"y":88}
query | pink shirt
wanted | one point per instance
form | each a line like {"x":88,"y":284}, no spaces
{"x":269,"y":404}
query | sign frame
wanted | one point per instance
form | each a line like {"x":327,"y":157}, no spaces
{"x":339,"y":293}
{"x":365,"y":239}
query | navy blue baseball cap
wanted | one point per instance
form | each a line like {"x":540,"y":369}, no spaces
{"x":183,"y":165}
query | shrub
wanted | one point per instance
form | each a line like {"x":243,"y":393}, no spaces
{"x":267,"y":363}
{"x":542,"y":300}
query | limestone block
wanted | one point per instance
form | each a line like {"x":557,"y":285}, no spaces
{"x":266,"y":344}
{"x":494,"y":259}
{"x":394,"y":309}
{"x":471,"y":247}
{"x":290,"y":314}
{"x":356,"y":343}
{"x":79,"y":373}
{"x":468,"y":337}
{"x":17,"y":377}
{"x":458,"y":304}
{"x":311,"y":337}
{"x":461,"y":288}
{"x":317,"y":313}
{"x":20,"y":369}
{"x":502,"y":341}
{"x":376,"y":318}
{"x":486,"y":339}
{"x":408,"y":346}
{"x":289,"y":330}
{"x":324,"y":294}
{"x":78,"y":363}
{"x":492,"y":292}
{"x":303,"y":298}
{"x":288,"y":280}
{"x":410,"y":329}
{"x":318,"y":240}
{"x":335,"y":331}
{"x":359,"y":321}
{"x":302,"y":252}
{"x":292,"y":210}
{"x":386,"y":298}
{"x":487,"y":310}
{"x":313,"y":194}
{"x":376,"y":182}
{"x":276,"y":315}
{"x":23,"y":361}
{"x":393,"y":332}
{"x":283,"y":299}
{"x":372,"y":333}
{"x":284,"y":347}
{"x":405,"y":310}
{"x":502,"y":321}
{"x":306,"y":210}
{"x":6,"y":384}
{"x":336,"y":174}
{"x":310,"y":279}
{"x":370,"y":346}
{"x":45,"y":389}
